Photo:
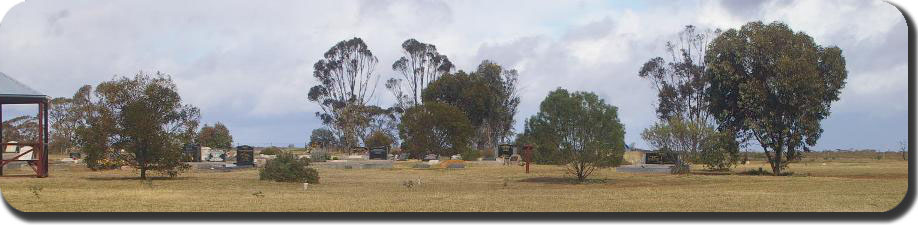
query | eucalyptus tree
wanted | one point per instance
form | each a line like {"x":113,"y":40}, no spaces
{"x":347,"y":83}
{"x":487,"y":96}
{"x":139,"y":121}
{"x":216,"y":136}
{"x":775,"y":85}
{"x":578,"y":130}
{"x":685,"y":128}
{"x":419,"y":65}
{"x":436,"y":128}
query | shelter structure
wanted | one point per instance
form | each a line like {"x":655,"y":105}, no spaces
{"x":32,"y":152}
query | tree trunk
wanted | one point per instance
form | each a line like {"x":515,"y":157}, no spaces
{"x":143,"y":173}
{"x":776,"y":165}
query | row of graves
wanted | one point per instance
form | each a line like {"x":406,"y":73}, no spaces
{"x":361,"y":158}
{"x":224,"y":159}
{"x":645,"y":161}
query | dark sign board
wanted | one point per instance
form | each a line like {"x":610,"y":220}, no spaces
{"x":245,"y":155}
{"x":379,"y":153}
{"x":506,"y":150}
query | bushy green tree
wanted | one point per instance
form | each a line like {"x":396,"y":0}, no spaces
{"x":435,"y":128}
{"x":323,"y":138}
{"x":774,"y":85}
{"x":487,"y":96}
{"x":578,"y":130}
{"x":692,"y":142}
{"x":140,"y":122}
{"x":216,"y":136}
{"x":379,"y":139}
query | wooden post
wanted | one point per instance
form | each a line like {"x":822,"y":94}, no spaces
{"x":41,"y":141}
{"x":2,"y":144}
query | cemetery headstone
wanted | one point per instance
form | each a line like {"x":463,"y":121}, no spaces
{"x":380,"y":153}
{"x":192,"y":152}
{"x":245,"y":155}
{"x":658,"y":158}
{"x":505,"y":150}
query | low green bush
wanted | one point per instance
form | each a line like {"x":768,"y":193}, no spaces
{"x":289,"y":168}
{"x":319,"y":155}
{"x":272,"y":151}
{"x":471,"y":155}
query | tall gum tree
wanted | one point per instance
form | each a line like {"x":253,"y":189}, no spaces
{"x":346,"y":83}
{"x":774,"y":85}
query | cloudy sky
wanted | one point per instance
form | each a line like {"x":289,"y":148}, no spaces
{"x":249,"y":64}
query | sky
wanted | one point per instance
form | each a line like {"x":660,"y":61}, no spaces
{"x":248,"y":64}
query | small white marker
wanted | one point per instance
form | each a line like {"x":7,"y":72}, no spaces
{"x":305,"y":186}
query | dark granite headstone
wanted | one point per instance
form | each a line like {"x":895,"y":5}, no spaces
{"x":245,"y":155}
{"x":381,"y":153}
{"x":506,"y":150}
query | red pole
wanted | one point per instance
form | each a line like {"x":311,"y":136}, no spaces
{"x":44,"y":141}
{"x":41,"y":140}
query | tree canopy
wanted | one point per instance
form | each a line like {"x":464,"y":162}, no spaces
{"x":578,"y":130}
{"x":216,"y":136}
{"x":775,"y":85}
{"x":140,"y":122}
{"x":487,"y":96}
{"x":420,"y":65}
{"x":346,"y":83}
{"x":436,"y":128}
{"x":685,"y":130}
{"x":323,"y":138}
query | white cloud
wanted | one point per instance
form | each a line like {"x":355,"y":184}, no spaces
{"x":250,"y":64}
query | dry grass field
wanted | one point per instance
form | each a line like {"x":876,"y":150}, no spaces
{"x":839,"y":185}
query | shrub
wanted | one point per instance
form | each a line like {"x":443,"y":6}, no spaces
{"x":288,"y":168}
{"x":721,"y":153}
{"x":319,"y":155}
{"x":452,"y":164}
{"x":680,"y":168}
{"x":471,"y":155}
{"x":487,"y":154}
{"x":272,"y":151}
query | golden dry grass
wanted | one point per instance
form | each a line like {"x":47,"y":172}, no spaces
{"x":866,"y":185}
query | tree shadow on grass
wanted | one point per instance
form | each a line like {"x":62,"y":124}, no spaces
{"x":133,"y":178}
{"x":564,"y":180}
{"x":712,"y":173}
